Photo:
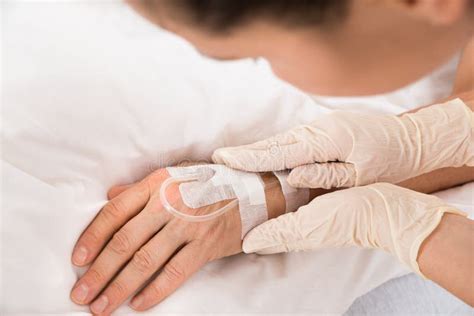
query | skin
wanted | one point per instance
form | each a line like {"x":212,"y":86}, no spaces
{"x":380,"y":47}
{"x":447,"y":258}
{"x":134,"y":224}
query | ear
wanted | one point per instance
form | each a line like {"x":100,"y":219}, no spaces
{"x":437,"y":12}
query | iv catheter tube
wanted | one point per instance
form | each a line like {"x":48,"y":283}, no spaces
{"x":190,"y":218}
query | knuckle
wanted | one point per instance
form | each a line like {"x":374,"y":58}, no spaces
{"x":143,"y":261}
{"x":174,"y":271}
{"x":155,"y":176}
{"x":120,"y":243}
{"x":92,"y":238}
{"x":96,"y":276}
{"x":149,"y":184}
{"x":156,"y":291}
{"x":118,"y":290}
{"x":111,"y":191}
{"x":113,"y":209}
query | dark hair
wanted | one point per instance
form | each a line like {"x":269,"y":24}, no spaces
{"x":220,"y":16}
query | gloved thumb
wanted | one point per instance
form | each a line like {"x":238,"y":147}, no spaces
{"x":323,"y":175}
{"x":276,"y":235}
{"x":298,"y":146}
{"x":267,"y":155}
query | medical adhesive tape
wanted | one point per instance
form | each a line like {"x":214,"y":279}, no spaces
{"x":216,"y":183}
{"x":204,"y":185}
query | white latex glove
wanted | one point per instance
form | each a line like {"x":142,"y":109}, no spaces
{"x":380,"y":215}
{"x":346,"y":149}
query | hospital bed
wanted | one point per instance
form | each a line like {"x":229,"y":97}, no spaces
{"x":95,"y":96}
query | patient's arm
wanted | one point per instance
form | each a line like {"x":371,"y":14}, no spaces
{"x":134,"y":226}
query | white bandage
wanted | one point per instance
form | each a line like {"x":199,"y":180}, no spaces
{"x":219,"y":183}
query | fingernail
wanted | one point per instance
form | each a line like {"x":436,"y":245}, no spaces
{"x":79,"y":256}
{"x":80,"y":292}
{"x":100,"y":304}
{"x":137,"y":301}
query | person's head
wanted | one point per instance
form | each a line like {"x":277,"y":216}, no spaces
{"x":327,"y":47}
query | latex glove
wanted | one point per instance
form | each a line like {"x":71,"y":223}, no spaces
{"x":381,"y":215}
{"x":346,"y":149}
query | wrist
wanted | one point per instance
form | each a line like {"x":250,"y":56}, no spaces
{"x":276,"y":203}
{"x":447,"y":255}
{"x":273,"y":195}
{"x":438,"y":246}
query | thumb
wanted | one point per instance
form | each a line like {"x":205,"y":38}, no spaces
{"x":274,"y":236}
{"x":323,"y":175}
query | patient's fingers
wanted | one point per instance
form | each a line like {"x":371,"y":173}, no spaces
{"x":118,"y":251}
{"x":179,"y":269}
{"x":112,"y":216}
{"x":118,"y":189}
{"x":141,"y":267}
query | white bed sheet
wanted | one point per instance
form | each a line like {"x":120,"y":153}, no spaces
{"x":409,"y":295}
{"x":94,"y":96}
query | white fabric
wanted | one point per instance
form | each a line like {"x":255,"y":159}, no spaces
{"x":94,"y":96}
{"x":409,"y":295}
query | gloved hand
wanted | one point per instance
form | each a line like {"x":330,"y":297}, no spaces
{"x":380,"y":215}
{"x":346,"y":149}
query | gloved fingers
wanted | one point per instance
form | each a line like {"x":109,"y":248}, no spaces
{"x":323,"y":175}
{"x":299,"y":146}
{"x":276,"y":235}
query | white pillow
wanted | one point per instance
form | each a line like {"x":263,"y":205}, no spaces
{"x":95,"y":96}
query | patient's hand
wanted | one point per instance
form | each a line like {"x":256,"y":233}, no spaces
{"x":133,"y":237}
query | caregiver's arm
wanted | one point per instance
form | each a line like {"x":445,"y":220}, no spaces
{"x":427,"y":235}
{"x":445,"y":177}
{"x":426,"y":150}
{"x":447,"y":256}
{"x":463,"y":89}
